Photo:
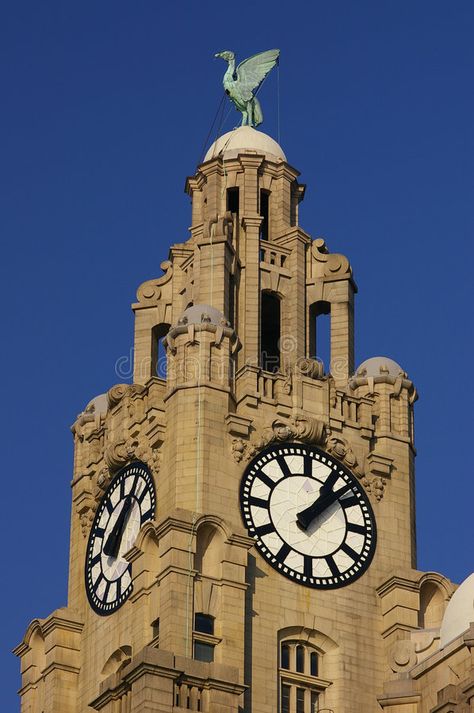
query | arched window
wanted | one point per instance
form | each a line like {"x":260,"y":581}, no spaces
{"x":270,"y":332}
{"x":319,"y":343}
{"x":158,"y":352}
{"x":301,"y":688}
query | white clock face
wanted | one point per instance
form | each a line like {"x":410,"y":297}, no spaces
{"x":127,"y":504}
{"x":311,"y":519}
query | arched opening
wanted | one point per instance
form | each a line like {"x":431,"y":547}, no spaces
{"x":265,"y":213}
{"x":319,"y":343}
{"x":208,"y":556}
{"x":432,"y":606}
{"x":158,"y":351}
{"x":270,"y":330}
{"x":120,"y":658}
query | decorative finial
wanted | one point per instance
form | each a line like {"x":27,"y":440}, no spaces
{"x":242,"y":84}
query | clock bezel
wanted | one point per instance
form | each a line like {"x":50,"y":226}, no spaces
{"x":139,"y":468}
{"x":313,"y":582}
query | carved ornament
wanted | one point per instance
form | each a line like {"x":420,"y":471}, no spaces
{"x":219,"y":226}
{"x":299,"y":428}
{"x":331,"y":263}
{"x":402,"y":656}
{"x":121,"y":452}
{"x":341,"y":449}
{"x":117,"y":392}
{"x":150,"y":291}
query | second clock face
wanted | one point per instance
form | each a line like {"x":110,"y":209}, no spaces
{"x":311,"y":519}
{"x":127,"y":504}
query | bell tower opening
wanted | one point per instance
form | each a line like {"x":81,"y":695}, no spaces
{"x":233,"y":200}
{"x":265,"y":213}
{"x":319,"y":346}
{"x":158,"y":353}
{"x":270,"y":332}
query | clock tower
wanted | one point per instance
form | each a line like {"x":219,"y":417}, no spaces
{"x":243,"y":521}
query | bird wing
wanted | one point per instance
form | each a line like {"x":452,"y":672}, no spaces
{"x":252,"y":71}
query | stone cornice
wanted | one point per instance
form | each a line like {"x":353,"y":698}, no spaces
{"x":251,"y":221}
{"x":399,"y":581}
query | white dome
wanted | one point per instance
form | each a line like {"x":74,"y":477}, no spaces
{"x":242,"y":140}
{"x":379,"y":366}
{"x":459,"y":613}
{"x":97,"y":405}
{"x":202,"y":313}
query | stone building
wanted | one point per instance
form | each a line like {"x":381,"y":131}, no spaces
{"x":243,"y":522}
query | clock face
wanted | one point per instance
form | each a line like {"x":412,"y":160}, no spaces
{"x":310,"y":518}
{"x":128,"y":503}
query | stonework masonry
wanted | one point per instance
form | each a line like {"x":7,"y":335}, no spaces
{"x":197,"y":424}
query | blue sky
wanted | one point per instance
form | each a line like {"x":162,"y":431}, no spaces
{"x":105,"y":109}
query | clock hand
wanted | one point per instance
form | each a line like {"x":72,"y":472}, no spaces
{"x":112,"y":545}
{"x":326,"y":497}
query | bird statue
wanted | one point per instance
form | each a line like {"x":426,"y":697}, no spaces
{"x":241,"y":84}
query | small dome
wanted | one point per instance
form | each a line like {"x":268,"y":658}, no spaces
{"x":242,"y":140}
{"x":202,"y":313}
{"x":459,"y":613}
{"x":380,"y":366}
{"x":97,"y":405}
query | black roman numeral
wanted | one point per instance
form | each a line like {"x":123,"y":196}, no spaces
{"x":264,"y":529}
{"x":259,"y":502}
{"x":308,"y":566}
{"x":265,"y":479}
{"x":283,"y":552}
{"x":284,"y":466}
{"x":147,"y":515}
{"x":348,"y":502}
{"x":308,"y":465}
{"x":141,"y":497}
{"x":354,"y":527}
{"x":332,"y":566}
{"x":99,"y":532}
{"x":95,"y":560}
{"x":134,"y":485}
{"x":106,"y":592}
{"x":330,"y":480}
{"x":97,"y":582}
{"x":109,"y":506}
{"x":349,"y":551}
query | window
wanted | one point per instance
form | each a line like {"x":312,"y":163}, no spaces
{"x":264,"y":212}
{"x":270,"y":332}
{"x":204,"y":641}
{"x":285,"y":656}
{"x":204,"y":623}
{"x":203,"y":652}
{"x":300,"y":686}
{"x":285,"y":698}
{"x":233,"y":200}
{"x":300,"y":700}
{"x":300,"y":656}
